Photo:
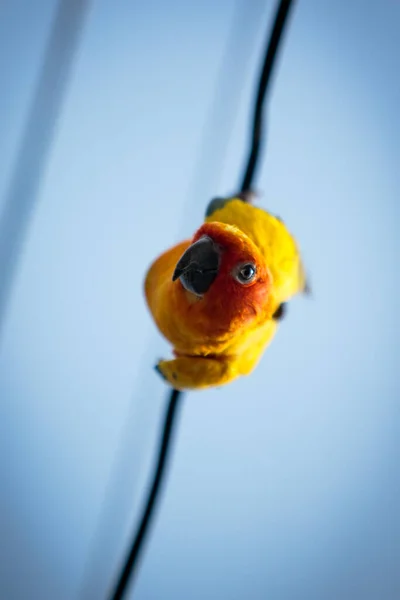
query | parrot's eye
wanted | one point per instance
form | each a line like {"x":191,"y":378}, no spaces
{"x":245,"y":273}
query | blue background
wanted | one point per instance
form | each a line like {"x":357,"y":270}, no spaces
{"x":284,"y":485}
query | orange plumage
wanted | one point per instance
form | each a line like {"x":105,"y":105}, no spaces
{"x":215,"y":297}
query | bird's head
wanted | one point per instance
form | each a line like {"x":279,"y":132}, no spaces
{"x":224,"y":267}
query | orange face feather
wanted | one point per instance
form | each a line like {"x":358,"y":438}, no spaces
{"x":230,"y":301}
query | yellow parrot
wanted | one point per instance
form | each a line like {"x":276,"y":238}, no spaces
{"x":219,"y":296}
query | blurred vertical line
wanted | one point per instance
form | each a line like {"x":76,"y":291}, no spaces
{"x":22,"y":194}
{"x":116,"y":511}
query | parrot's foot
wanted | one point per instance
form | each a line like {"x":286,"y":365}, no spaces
{"x":196,"y":372}
{"x":280,"y":312}
{"x":157,"y":368}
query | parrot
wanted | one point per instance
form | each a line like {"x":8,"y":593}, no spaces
{"x":218,"y":297}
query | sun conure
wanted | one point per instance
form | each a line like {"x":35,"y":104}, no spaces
{"x":218,"y":297}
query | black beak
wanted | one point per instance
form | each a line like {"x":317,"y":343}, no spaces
{"x":198,"y":267}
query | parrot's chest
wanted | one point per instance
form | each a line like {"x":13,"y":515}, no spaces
{"x":204,"y":336}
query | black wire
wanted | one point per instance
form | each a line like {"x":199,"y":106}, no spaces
{"x":270,"y":56}
{"x":130,"y":565}
{"x":165,"y":445}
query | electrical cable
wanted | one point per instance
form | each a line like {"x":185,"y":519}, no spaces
{"x":167,"y":430}
{"x":130,"y":566}
{"x":269,"y":61}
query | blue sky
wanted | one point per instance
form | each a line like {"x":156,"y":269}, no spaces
{"x":284,"y":484}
